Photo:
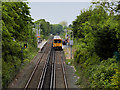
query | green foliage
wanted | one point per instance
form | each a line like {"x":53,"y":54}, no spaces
{"x":16,"y":31}
{"x":57,"y":29}
{"x":116,"y":79}
{"x":109,"y":6}
{"x":68,"y":61}
{"x":16,"y":18}
{"x":97,"y":37}
{"x":64,"y":24}
{"x":106,"y":38}
{"x":45,"y":28}
{"x":101,"y":75}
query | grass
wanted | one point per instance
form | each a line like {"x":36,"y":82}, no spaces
{"x":82,"y":81}
{"x":69,"y":61}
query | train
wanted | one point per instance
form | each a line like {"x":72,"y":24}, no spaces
{"x":57,"y":43}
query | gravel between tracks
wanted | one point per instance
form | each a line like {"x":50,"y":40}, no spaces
{"x":59,"y":72}
{"x":20,"y":80}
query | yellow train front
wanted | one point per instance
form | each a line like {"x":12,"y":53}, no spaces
{"x":57,"y":43}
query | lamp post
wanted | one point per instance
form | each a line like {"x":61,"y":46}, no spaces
{"x":39,"y":29}
{"x":21,"y":54}
{"x":71,"y":42}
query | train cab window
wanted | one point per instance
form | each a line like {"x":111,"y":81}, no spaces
{"x":57,"y":41}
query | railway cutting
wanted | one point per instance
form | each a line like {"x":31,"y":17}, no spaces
{"x":49,"y":71}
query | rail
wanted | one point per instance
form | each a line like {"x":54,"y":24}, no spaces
{"x":52,"y":83}
{"x":40,"y":85}
{"x":35,"y":69}
{"x":64,"y":75}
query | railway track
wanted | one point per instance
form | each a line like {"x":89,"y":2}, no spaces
{"x":61,"y":81}
{"x":33,"y":80}
{"x":53,"y":75}
{"x":49,"y":71}
{"x":45,"y":79}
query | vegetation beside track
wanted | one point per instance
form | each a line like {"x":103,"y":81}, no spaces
{"x":46,"y":28}
{"x":97,"y":44}
{"x":17,"y":30}
{"x":69,"y":61}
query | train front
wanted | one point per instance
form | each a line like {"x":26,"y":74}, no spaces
{"x":57,"y":44}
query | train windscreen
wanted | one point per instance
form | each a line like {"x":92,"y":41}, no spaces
{"x":57,"y":41}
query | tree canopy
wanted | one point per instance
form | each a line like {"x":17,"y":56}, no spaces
{"x":97,"y":35}
{"x":16,"y":31}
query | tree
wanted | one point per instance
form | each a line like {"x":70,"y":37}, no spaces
{"x":57,"y":29}
{"x":106,"y":41}
{"x":109,"y":6}
{"x":77,"y":24}
{"x":103,"y":36}
{"x":98,"y":36}
{"x":16,"y":30}
{"x":64,"y":24}
{"x":44,"y":26}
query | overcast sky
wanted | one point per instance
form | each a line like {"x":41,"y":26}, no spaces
{"x":55,"y":12}
{"x":62,"y":0}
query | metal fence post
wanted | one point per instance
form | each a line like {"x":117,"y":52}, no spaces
{"x":71,"y":51}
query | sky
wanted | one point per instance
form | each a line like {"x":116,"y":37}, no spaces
{"x":61,"y":0}
{"x":55,"y":12}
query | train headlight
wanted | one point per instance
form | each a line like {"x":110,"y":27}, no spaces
{"x":53,"y":45}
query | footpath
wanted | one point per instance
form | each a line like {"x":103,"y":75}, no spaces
{"x":70,"y":70}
